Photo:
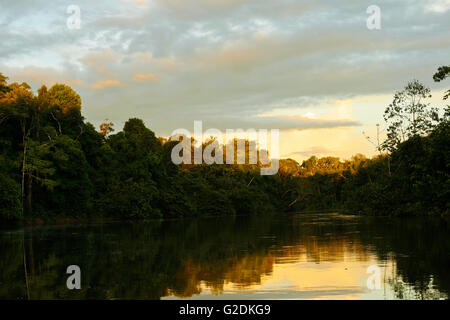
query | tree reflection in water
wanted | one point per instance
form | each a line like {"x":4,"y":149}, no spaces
{"x":270,"y":256}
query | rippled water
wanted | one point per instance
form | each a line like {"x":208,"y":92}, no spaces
{"x":301,"y":256}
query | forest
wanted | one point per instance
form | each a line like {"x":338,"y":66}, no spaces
{"x":55,"y":164}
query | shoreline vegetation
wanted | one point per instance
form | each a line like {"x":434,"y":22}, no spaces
{"x":55,"y":165}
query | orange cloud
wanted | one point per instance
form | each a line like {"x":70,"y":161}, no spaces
{"x":145,"y":77}
{"x":99,"y":61}
{"x":103,"y":84}
{"x":37,"y":76}
{"x":325,"y":122}
{"x":136,"y":2}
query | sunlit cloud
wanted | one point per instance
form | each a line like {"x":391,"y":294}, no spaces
{"x":136,"y":2}
{"x":38,"y":76}
{"x":145,"y":77}
{"x":100,"y":60}
{"x":103,"y":84}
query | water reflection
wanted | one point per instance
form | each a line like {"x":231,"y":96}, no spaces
{"x":303,"y":256}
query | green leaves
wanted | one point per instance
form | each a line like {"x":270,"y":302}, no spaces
{"x":10,"y":206}
{"x":37,"y":166}
{"x":409,"y":114}
{"x":65,"y":98}
{"x":442,"y":73}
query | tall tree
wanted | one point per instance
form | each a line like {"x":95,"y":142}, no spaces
{"x":442,"y":73}
{"x":3,"y":86}
{"x":65,"y":109}
{"x":408,"y":115}
{"x":17,"y":107}
{"x":106,"y":128}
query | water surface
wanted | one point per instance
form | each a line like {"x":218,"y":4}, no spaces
{"x":301,"y":256}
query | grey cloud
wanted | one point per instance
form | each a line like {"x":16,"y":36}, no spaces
{"x":316,"y":150}
{"x":230,"y":122}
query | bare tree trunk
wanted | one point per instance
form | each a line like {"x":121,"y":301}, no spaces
{"x":37,"y":128}
{"x":23,"y":176}
{"x":59,"y":124}
{"x":389,"y":165}
{"x":24,"y":161}
{"x":30,"y":191}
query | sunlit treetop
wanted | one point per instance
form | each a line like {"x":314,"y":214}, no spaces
{"x":65,"y":97}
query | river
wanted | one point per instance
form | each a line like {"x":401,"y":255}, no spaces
{"x":295,"y":256}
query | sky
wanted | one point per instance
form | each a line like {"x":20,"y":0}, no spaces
{"x":311,"y":68}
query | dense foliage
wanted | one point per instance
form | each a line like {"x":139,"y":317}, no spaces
{"x":53,"y":163}
{"x":413,"y":180}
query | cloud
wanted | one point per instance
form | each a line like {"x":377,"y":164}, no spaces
{"x":224,"y":62}
{"x":438,"y":6}
{"x":145,"y":77}
{"x":37,"y":76}
{"x":315,"y":150}
{"x":186,"y":120}
{"x":100,"y":61}
{"x":103,"y":84}
{"x":309,"y":123}
{"x":136,"y":2}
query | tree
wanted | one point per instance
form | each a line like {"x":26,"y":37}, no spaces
{"x":442,"y":73}
{"x":409,"y":115}
{"x":34,"y":124}
{"x":65,"y":98}
{"x":106,"y":128}
{"x":65,"y":110}
{"x":310,"y":165}
{"x":17,"y":106}
{"x":3,"y":86}
{"x":70,"y":189}
{"x":136,"y":128}
{"x":10,"y":205}
{"x":38,"y":168}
